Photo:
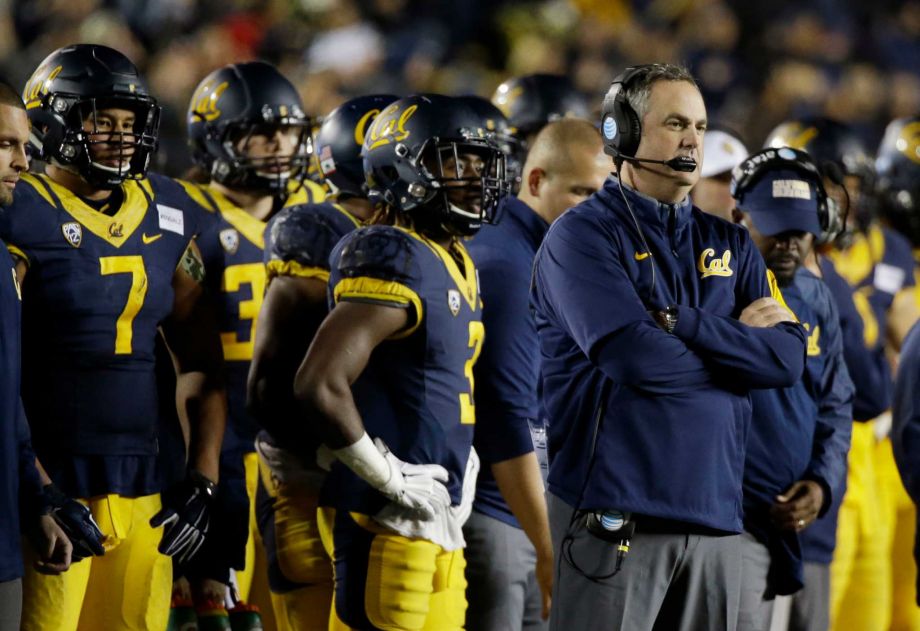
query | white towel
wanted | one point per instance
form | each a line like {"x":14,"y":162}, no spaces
{"x":445,"y":528}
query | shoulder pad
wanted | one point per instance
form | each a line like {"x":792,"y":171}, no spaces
{"x":382,"y":252}
{"x":305,"y":235}
{"x":198,"y":195}
{"x":35,"y":185}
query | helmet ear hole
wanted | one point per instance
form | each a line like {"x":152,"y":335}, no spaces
{"x":390,"y":173}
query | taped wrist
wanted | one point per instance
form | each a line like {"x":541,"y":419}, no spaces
{"x":363,"y":457}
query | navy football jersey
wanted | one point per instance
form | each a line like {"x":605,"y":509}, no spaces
{"x":416,"y":392}
{"x":97,"y":288}
{"x":232,"y":249}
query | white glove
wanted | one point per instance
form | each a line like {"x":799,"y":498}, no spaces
{"x":419,"y":487}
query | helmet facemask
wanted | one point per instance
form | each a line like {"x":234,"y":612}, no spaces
{"x":468,"y":179}
{"x":104,"y":156}
{"x":271,"y":170}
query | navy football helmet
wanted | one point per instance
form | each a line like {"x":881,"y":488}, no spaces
{"x":827,"y":142}
{"x":235,"y":102}
{"x":339,"y":140}
{"x":898,"y":172}
{"x":64,"y":97}
{"x":531,"y":101}
{"x":413,"y":161}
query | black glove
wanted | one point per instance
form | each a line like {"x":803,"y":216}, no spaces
{"x":185,"y":516}
{"x":76,"y":521}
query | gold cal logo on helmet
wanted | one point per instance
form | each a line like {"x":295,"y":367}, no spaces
{"x":39,"y":85}
{"x":908,"y":142}
{"x":794,"y":135}
{"x":206,"y":99}
{"x":363,"y":123}
{"x":390,"y":126}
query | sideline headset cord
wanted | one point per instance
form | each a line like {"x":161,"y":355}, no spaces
{"x":617,"y":163}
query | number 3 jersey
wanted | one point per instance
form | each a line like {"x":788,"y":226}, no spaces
{"x":232,"y":249}
{"x":416,"y":392}
{"x":97,"y":287}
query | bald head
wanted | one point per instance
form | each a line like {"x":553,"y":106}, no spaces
{"x":566,"y":164}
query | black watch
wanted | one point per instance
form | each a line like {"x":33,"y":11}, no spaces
{"x":667,"y":318}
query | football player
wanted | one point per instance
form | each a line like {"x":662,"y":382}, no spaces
{"x":898,"y":169}
{"x":394,"y":360}
{"x":248,"y":132}
{"x":298,"y":243}
{"x":107,"y":257}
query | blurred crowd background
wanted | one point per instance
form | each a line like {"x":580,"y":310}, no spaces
{"x":758,"y":63}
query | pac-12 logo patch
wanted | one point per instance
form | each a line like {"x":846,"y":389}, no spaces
{"x":230,"y":240}
{"x":453,"y":301}
{"x":73,"y":232}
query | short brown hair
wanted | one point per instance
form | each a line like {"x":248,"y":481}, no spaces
{"x":640,"y":86}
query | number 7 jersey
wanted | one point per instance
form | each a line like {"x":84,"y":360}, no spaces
{"x":416,"y":392}
{"x":97,"y":288}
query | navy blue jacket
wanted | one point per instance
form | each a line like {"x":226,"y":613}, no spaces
{"x":20,"y":487}
{"x":507,"y":372}
{"x":799,"y":432}
{"x":640,"y":419}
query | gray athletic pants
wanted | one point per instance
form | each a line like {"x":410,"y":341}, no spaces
{"x":502,"y":591}
{"x":756,"y":608}
{"x":668,"y":582}
{"x":810,"y":608}
{"x":10,"y":605}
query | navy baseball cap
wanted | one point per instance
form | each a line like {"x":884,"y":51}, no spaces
{"x":781,"y":201}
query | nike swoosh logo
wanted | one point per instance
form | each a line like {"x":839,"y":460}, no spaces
{"x":148,"y":240}
{"x":642,"y":256}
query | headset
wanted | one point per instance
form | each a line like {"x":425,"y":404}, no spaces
{"x":621,"y":127}
{"x":746,"y":175}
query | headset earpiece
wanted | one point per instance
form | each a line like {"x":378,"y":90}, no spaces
{"x":620,"y":124}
